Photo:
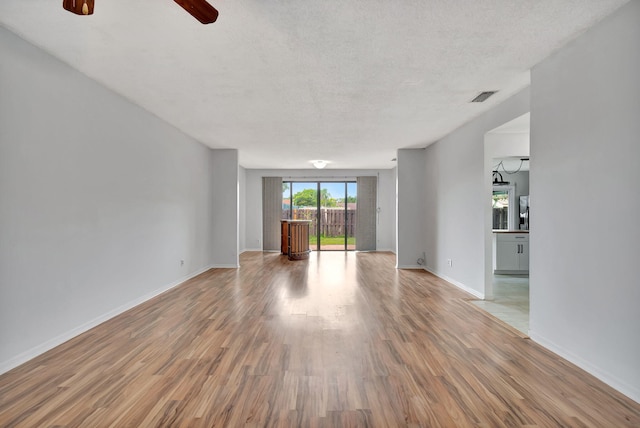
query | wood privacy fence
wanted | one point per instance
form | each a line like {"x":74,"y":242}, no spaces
{"x":333,"y":220}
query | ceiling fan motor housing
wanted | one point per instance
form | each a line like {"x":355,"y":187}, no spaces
{"x":79,"y":7}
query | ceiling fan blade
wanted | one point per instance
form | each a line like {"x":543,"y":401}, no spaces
{"x":199,"y":9}
{"x":79,"y":7}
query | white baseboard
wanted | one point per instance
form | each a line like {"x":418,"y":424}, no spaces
{"x":385,"y":250}
{"x":460,"y":285}
{"x":629,"y":390}
{"x":23,"y":357}
{"x":251,"y":249}
{"x":409,"y":267}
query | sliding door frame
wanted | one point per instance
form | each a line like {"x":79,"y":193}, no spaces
{"x":318,"y":209}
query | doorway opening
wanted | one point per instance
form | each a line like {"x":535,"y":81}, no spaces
{"x":331,"y":208}
{"x":506,"y":153}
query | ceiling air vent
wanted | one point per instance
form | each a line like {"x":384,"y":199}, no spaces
{"x":482,"y":97}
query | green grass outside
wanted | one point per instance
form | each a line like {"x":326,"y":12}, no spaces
{"x":331,"y":240}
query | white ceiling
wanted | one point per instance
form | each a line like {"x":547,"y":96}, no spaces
{"x":285,"y":82}
{"x":519,"y":125}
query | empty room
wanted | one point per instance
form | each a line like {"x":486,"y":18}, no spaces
{"x":319,"y":214}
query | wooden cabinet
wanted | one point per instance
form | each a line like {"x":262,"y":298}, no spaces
{"x":511,"y":253}
{"x":295,"y":239}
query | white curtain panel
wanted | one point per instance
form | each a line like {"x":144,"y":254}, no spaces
{"x":271,"y":213}
{"x":366,"y":213}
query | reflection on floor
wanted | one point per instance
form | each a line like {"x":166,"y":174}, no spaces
{"x":339,"y":247}
{"x":510,"y":302}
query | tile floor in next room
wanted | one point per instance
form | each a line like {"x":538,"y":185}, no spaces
{"x":510,"y":302}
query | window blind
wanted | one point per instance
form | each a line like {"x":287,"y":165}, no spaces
{"x":271,"y":212}
{"x":366,"y":213}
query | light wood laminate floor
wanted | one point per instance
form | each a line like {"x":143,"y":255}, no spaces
{"x":341,"y":339}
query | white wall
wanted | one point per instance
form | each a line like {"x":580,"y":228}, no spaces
{"x":457,"y":197}
{"x":242,"y":216}
{"x":99,"y":202}
{"x":386,"y":232}
{"x":410,"y":208}
{"x":521,"y":181}
{"x":253,"y":200}
{"x":585,"y":242}
{"x":225,"y":217}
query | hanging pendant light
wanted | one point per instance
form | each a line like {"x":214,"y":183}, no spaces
{"x":497,"y":179}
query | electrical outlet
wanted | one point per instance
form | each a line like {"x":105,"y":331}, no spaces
{"x":449,"y":262}
{"x":181,"y":262}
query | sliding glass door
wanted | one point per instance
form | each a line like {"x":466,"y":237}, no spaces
{"x":331,"y":207}
{"x":300,"y":202}
{"x":350,"y":213}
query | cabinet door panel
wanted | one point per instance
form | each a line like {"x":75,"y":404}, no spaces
{"x":524,"y":256}
{"x":507,"y":255}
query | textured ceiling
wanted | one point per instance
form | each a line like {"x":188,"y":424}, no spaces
{"x":285,"y":82}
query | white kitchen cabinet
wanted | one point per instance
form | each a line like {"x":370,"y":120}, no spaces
{"x":511,"y":253}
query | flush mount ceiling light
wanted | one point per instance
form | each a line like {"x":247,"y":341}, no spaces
{"x":319,"y":163}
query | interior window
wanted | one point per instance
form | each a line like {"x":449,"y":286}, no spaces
{"x":502,"y":207}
